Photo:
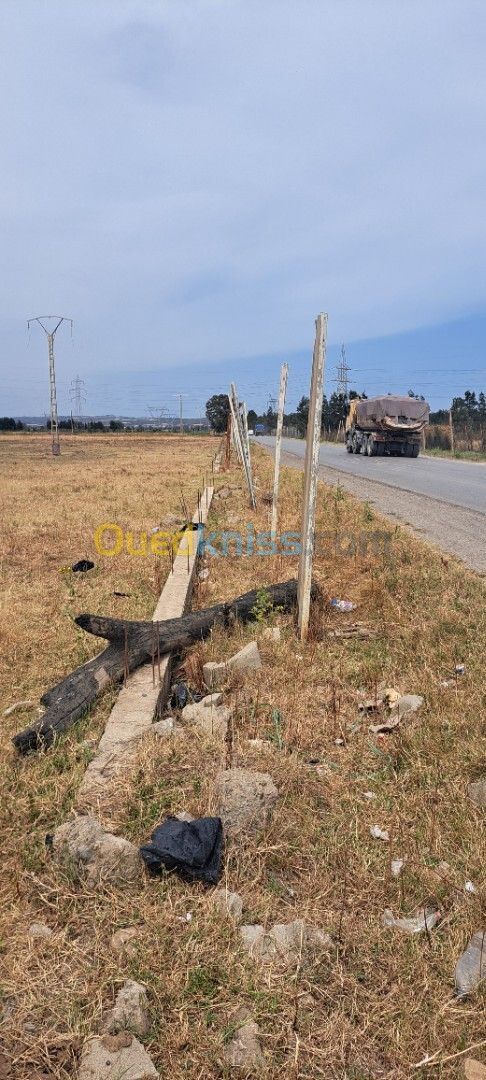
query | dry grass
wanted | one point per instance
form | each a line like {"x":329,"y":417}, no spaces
{"x":385,"y":1000}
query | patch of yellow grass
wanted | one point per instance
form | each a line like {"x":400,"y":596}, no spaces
{"x":385,"y":1000}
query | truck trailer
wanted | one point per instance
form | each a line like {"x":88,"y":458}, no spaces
{"x":386,"y":425}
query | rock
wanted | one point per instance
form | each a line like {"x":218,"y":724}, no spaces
{"x":184,"y":816}
{"x":212,"y":721}
{"x":477,"y":793}
{"x":247,"y":659}
{"x":230,"y":903}
{"x":407,"y":704}
{"x":170,"y":520}
{"x":473,"y":1070}
{"x":114,"y":1056}
{"x":246,"y":800}
{"x":130,"y":1011}
{"x":471,"y":966}
{"x":211,"y":700}
{"x":272,"y":633}
{"x":124,"y":941}
{"x":163,"y":728}
{"x":285,"y":942}
{"x":39,"y":930}
{"x":83,"y":846}
{"x":244,"y":1050}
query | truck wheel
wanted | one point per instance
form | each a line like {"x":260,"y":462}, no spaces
{"x":349,"y":446}
{"x":371,"y":447}
{"x":356,"y":445}
{"x":380,"y":449}
{"x":415,"y":450}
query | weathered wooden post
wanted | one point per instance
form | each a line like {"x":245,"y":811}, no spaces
{"x":278,"y":444}
{"x":451,"y":431}
{"x":235,"y":434}
{"x":241,"y":443}
{"x":310,"y":476}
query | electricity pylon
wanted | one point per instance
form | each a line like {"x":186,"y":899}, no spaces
{"x":78,"y":397}
{"x":342,"y":374}
{"x":56,"y":449}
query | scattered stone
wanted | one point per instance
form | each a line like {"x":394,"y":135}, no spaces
{"x":272,"y":633}
{"x":39,"y":930}
{"x":409,"y":703}
{"x":212,"y":721}
{"x":471,"y":966}
{"x":247,"y":659}
{"x":163,"y":727}
{"x":473,"y":1070}
{"x":285,"y":941}
{"x":83,"y":845}
{"x":18,"y":705}
{"x":230,"y":903}
{"x":211,"y":700}
{"x":114,"y":1056}
{"x":184,"y":816}
{"x":246,"y":800}
{"x":130,"y":1011}
{"x":203,"y":575}
{"x":169,"y":521}
{"x":422,"y":920}
{"x":306,"y":1001}
{"x":477,"y":793}
{"x":222,"y":493}
{"x":244,"y":1050}
{"x":124,"y":941}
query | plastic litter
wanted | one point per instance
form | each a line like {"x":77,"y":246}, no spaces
{"x":192,"y":848}
{"x":471,"y":966}
{"x":182,"y":696}
{"x":397,"y":867}
{"x":369,"y":795}
{"x":469,"y":887}
{"x":423,"y":920}
{"x":460,"y":669}
{"x":82,"y":566}
{"x":342,"y":605}
{"x":379,"y":834}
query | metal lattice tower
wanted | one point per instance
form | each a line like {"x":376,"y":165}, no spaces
{"x":50,"y":334}
{"x":342,"y":374}
{"x":78,"y":396}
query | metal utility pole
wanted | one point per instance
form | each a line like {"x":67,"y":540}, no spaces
{"x":281,"y":403}
{"x":50,"y":334}
{"x":310,"y":476}
{"x":78,"y":396}
{"x":342,"y":374}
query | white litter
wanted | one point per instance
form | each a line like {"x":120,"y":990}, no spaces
{"x":397,"y":867}
{"x":379,"y":834}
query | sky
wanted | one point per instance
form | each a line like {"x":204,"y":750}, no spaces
{"x":193,"y":181}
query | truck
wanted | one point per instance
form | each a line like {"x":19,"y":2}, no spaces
{"x":389,"y":424}
{"x":259,"y":429}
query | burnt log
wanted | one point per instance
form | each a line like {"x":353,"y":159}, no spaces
{"x":131,"y":644}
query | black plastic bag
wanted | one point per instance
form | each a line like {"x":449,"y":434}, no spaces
{"x":192,"y":848}
{"x":182,"y":695}
{"x":82,"y":566}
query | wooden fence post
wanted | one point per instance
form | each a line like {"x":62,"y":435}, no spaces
{"x":451,"y":432}
{"x":278,"y":444}
{"x":310,"y":475}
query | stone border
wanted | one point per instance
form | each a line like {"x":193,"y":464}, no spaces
{"x":133,"y":712}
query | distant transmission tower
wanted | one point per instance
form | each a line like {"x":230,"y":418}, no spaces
{"x":342,"y":374}
{"x":160,"y":413}
{"x":78,"y":397}
{"x":56,"y":449}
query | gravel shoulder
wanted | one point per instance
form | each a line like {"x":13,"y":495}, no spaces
{"x":454,"y":529}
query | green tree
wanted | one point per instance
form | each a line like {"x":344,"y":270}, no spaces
{"x":217,"y":412}
{"x":302,"y":414}
{"x":252,"y":418}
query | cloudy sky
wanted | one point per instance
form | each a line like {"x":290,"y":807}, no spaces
{"x":192,"y":181}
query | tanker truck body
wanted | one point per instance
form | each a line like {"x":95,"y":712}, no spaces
{"x":386,"y":425}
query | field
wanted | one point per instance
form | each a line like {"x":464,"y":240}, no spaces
{"x":383,"y":1000}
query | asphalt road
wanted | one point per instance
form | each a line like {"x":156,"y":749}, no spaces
{"x":442,"y":500}
{"x":462,"y":483}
